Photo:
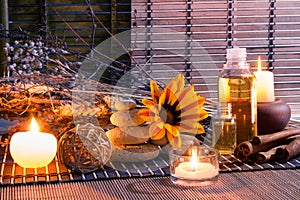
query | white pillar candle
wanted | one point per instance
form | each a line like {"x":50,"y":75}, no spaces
{"x":33,"y":149}
{"x":265,"y":84}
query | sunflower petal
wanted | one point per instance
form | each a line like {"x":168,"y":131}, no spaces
{"x":203,"y":114}
{"x":192,"y":106}
{"x":153,"y":129}
{"x":172,"y":98}
{"x":188,"y":126}
{"x":194,"y":114}
{"x":194,"y":110}
{"x":200,"y":129}
{"x":176,"y":84}
{"x":187,"y":97}
{"x":194,"y":117}
{"x":155,"y":91}
{"x":201,"y":100}
{"x":163,"y":97}
{"x":180,"y":82}
{"x":174,"y":141}
{"x":160,"y":133}
{"x":148,"y":103}
{"x":159,"y":122}
{"x":172,"y":85}
{"x":196,"y":128}
{"x":196,"y":104}
{"x":172,"y":129}
{"x":144,"y":113}
{"x":151,"y":105}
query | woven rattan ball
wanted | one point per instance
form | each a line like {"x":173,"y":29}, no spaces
{"x":85,"y":148}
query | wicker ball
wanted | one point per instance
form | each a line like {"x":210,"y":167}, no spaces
{"x":85,"y":148}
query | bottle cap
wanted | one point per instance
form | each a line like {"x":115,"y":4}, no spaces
{"x":236,"y":54}
{"x":236,"y":57}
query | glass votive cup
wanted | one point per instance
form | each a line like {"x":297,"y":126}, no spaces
{"x":194,"y":166}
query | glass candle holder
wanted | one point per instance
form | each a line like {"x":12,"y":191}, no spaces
{"x":195,"y":166}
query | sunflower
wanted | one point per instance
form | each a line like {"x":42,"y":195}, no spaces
{"x":173,"y":110}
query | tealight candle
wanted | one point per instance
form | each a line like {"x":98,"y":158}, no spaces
{"x":265,"y":84}
{"x":198,"y":169}
{"x":33,"y":149}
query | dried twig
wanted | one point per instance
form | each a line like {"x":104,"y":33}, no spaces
{"x":121,"y":45}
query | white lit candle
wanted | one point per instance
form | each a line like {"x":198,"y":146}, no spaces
{"x":265,"y":84}
{"x":195,"y":170}
{"x":33,"y":149}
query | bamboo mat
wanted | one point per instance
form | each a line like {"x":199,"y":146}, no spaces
{"x":252,"y":185}
{"x":11,"y":173}
{"x":55,"y":172}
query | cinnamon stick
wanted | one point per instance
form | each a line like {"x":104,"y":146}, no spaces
{"x":247,"y":148}
{"x":266,"y":156}
{"x":290,"y":151}
{"x":281,"y":135}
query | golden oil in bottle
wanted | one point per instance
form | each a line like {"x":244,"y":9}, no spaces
{"x":223,"y":125}
{"x":237,"y":85}
{"x":224,"y":136}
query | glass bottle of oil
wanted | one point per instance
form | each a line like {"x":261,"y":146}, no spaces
{"x":223,"y":125}
{"x":237,"y":85}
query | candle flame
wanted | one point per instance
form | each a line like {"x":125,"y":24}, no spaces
{"x":259,"y":64}
{"x":34,"y":127}
{"x":193,"y":161}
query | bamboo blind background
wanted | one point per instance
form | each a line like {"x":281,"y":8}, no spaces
{"x":65,"y":22}
{"x":188,"y":36}
{"x":267,"y":28}
{"x":48,"y":16}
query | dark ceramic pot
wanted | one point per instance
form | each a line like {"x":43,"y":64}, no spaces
{"x":272,"y":116}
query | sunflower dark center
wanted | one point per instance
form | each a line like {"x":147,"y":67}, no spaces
{"x":169,"y":114}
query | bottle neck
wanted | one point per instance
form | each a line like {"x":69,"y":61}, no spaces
{"x":224,"y":109}
{"x":236,"y":65}
{"x":236,"y":58}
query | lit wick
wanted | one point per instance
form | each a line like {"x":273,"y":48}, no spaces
{"x":258,"y":64}
{"x":194,"y":159}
